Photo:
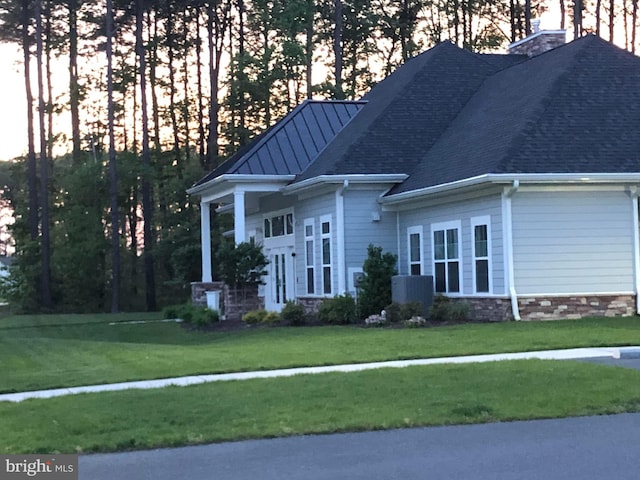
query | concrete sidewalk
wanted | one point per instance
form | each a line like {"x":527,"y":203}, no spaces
{"x":567,"y":354}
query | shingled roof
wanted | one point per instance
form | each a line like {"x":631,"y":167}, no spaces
{"x":406,"y":113}
{"x":575,"y":109}
{"x":449,"y":114}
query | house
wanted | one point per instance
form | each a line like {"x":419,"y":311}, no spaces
{"x":512,"y":179}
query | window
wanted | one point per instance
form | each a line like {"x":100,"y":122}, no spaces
{"x":414,"y":235}
{"x":446,"y":257}
{"x":309,"y":258}
{"x":480,"y":228}
{"x":278,"y":225}
{"x":325,"y":237}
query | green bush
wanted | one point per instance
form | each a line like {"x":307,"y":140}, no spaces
{"x":199,"y":316}
{"x":339,"y":310}
{"x":260,"y":316}
{"x":293,"y":314}
{"x":375,"y":290}
{"x":399,"y":312}
{"x":444,"y":309}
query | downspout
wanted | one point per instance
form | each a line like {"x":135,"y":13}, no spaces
{"x":507,"y":216}
{"x":636,"y":245}
{"x":342,"y":286}
{"x":398,"y":234}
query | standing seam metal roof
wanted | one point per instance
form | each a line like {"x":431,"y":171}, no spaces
{"x":293,"y":143}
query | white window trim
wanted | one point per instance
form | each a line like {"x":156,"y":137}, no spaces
{"x":277,"y":213}
{"x":309,"y":222}
{"x":477,"y":221}
{"x":453,"y":224}
{"x":326,"y":219}
{"x":416,"y":229}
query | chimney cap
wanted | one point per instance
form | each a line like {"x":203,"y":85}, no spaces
{"x":536,"y":25}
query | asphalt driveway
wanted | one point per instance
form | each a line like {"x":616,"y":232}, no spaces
{"x":585,"y":448}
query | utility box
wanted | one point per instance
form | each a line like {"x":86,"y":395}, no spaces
{"x":413,"y":288}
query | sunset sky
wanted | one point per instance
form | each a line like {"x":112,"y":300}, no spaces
{"x":13,"y":136}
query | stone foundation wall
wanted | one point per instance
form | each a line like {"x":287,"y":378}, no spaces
{"x":235,"y":303}
{"x":580,"y":306}
{"x":310,"y":304}
{"x":489,"y":309}
{"x":199,"y":289}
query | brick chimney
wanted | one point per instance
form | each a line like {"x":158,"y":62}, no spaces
{"x":539,"y":41}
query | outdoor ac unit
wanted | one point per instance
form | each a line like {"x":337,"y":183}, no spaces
{"x":413,"y":288}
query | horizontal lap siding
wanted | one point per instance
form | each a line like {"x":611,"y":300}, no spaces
{"x":315,"y":208}
{"x":463,"y":210}
{"x":361,"y":230}
{"x":572,"y":242}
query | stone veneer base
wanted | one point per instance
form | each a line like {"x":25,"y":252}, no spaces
{"x":576,"y":306}
{"x":235,"y":303}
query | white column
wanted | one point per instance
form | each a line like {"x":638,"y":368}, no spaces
{"x":205,"y":241}
{"x":238,"y":216}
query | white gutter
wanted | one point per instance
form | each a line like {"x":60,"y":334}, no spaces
{"x":508,"y":233}
{"x":636,"y":245}
{"x":509,"y":178}
{"x":239,"y":178}
{"x":340,"y":179}
{"x":342,"y":288}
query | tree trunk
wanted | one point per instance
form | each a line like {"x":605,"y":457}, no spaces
{"x":634,"y":20}
{"x":337,"y":48}
{"x":598,"y":16}
{"x":147,"y":213}
{"x":200,"y":101}
{"x":113,"y":173}
{"x":32,"y":175}
{"x":45,"y":241}
{"x":611,"y":19}
{"x":74,"y":88}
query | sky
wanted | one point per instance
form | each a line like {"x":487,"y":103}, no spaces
{"x":13,"y":135}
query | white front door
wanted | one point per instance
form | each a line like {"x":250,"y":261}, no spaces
{"x":281,"y":278}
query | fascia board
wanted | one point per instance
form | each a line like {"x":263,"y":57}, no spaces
{"x":523,"y":178}
{"x":226,"y":179}
{"x":341,"y":179}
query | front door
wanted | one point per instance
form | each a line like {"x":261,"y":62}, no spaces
{"x":280,"y":282}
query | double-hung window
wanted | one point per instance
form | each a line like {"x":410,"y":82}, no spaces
{"x":414,"y":235}
{"x":309,"y":256}
{"x":325,"y":239}
{"x":447,"y":254}
{"x":481,"y":237}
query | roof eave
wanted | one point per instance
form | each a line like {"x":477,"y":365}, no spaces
{"x":382,"y":178}
{"x":507,"y":178}
{"x":234,"y":178}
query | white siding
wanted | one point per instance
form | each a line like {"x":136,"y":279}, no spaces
{"x":463,"y":211}
{"x":572,"y":242}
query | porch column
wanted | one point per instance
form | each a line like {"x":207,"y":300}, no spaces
{"x":205,"y":240}
{"x":238,"y":216}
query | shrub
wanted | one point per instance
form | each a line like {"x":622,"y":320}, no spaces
{"x":199,"y":316}
{"x":445,"y":309}
{"x":242,"y":265}
{"x":399,"y":312}
{"x":293,"y":314}
{"x":171,"y":312}
{"x":375,"y":291}
{"x":339,"y":310}
{"x":260,"y":316}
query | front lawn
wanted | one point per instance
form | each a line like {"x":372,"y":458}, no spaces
{"x":326,"y":403}
{"x":53,"y":351}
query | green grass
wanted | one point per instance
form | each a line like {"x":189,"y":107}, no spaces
{"x":369,"y":400}
{"x":52,"y":351}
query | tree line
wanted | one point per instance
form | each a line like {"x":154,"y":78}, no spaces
{"x":157,"y":92}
